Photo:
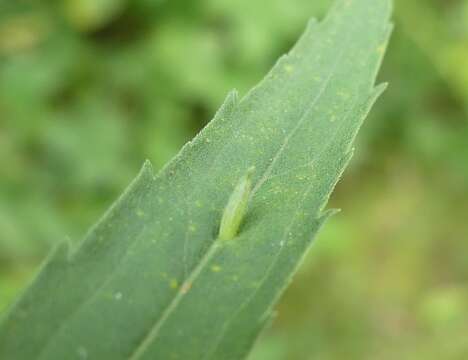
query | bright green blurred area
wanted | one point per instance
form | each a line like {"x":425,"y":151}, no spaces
{"x":90,"y":88}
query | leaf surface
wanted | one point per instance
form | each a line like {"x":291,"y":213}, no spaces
{"x":152,"y":280}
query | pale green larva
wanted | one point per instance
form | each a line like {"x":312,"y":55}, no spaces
{"x":236,"y":207}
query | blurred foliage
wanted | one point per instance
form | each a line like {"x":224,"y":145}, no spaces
{"x":90,"y":88}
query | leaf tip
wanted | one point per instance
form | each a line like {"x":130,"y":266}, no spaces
{"x":62,"y":252}
{"x":146,"y":171}
{"x":326,"y":214}
{"x":233,"y":96}
{"x":147,"y":167}
{"x":378,"y":91}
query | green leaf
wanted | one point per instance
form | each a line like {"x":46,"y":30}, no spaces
{"x":152,"y":280}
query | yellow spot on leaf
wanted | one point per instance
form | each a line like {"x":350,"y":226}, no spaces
{"x":174,"y":284}
{"x":216,"y":268}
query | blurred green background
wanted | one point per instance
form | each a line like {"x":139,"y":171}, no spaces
{"x":91,"y":88}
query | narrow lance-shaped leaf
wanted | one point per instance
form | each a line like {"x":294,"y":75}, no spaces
{"x":153,"y":280}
